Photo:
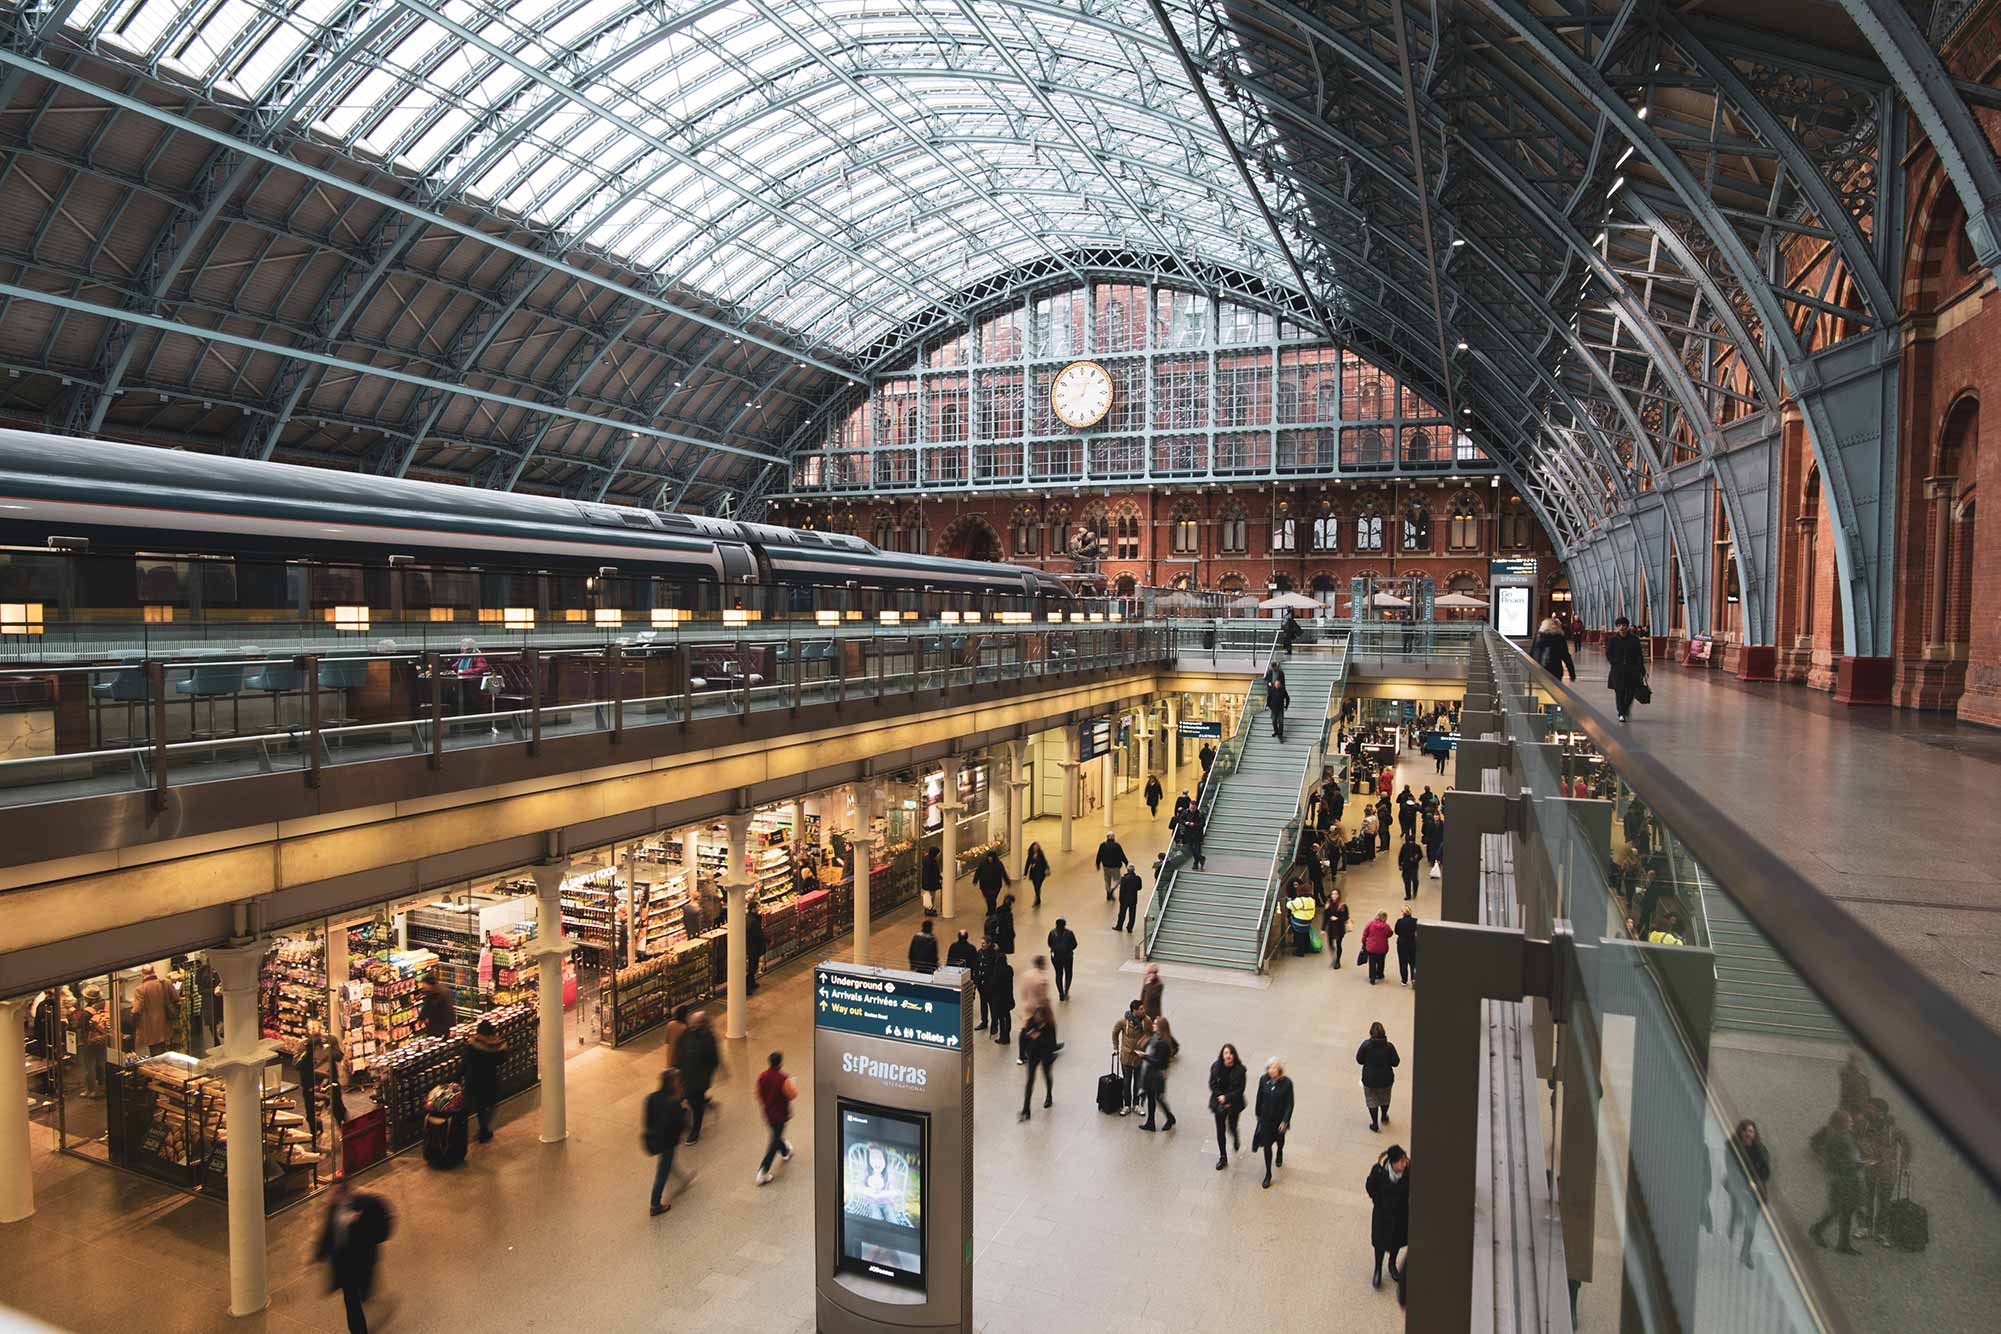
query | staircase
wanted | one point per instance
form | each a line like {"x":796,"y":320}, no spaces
{"x":1756,"y":990}
{"x":1216,"y":916}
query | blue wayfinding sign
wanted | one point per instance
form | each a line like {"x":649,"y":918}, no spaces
{"x":1193,"y":727}
{"x":896,"y":1008}
{"x":1094,"y":738}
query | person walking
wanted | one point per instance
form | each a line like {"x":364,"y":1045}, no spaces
{"x":1410,"y":861}
{"x":1129,"y":1037}
{"x":89,"y":1023}
{"x":1386,"y":782}
{"x":1274,"y":1114}
{"x":1207,"y":757}
{"x":1038,"y":1045}
{"x":1747,"y":1167}
{"x":1376,"y":945}
{"x":1335,"y":924}
{"x":1032,"y":993}
{"x":1886,"y":1157}
{"x":1300,"y":910}
{"x":1379,"y":1061}
{"x":931,"y":880}
{"x":1383,"y":820}
{"x":699,"y":1060}
{"x":1181,"y":805}
{"x":1370,"y":828}
{"x":437,"y":1011}
{"x":479,"y":1065}
{"x":1406,"y":934}
{"x":1407,"y":812}
{"x":753,"y":947}
{"x":1434,"y":844}
{"x":1036,"y":864}
{"x":1001,"y":925}
{"x":1626,"y":664}
{"x":1110,"y":860}
{"x":1278,"y":699}
{"x":154,"y":1002}
{"x":1063,"y":955}
{"x":984,"y":964}
{"x":775,"y":1092}
{"x":1835,"y":1143}
{"x":990,"y":877}
{"x":666,"y":1119}
{"x":1151,"y":988}
{"x":1129,"y":887}
{"x":1000,"y":996}
{"x":924,"y":949}
{"x":320,"y":1058}
{"x":350,"y":1243}
{"x":1160,"y":1052}
{"x":1389,"y":1215}
{"x":677,"y":1024}
{"x":1551,"y":649}
{"x":1226,"y":1100}
{"x":1191,"y":832}
{"x":962,"y":953}
{"x":1153,"y":793}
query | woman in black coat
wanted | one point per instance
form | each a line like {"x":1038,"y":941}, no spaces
{"x":1226,"y":1099}
{"x":1036,"y":864}
{"x":1389,"y":1221}
{"x":1274,"y":1113}
{"x":1746,"y":1170}
{"x":931,"y":882}
{"x":1001,"y":925}
{"x":1335,"y":925}
{"x":999,"y":995}
{"x":1628,"y":664}
{"x":1153,"y":794}
{"x":1406,"y":934}
{"x":1379,"y":1062}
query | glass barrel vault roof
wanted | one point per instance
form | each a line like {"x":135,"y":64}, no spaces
{"x":833,"y":167}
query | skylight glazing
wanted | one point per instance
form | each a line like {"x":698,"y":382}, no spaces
{"x":833,"y":167}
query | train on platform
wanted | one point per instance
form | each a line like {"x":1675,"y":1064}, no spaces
{"x":94,"y":532}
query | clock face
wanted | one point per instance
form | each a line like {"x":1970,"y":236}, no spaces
{"x":1081,"y":394}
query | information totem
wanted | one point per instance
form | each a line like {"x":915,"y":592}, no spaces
{"x":892,"y":1149}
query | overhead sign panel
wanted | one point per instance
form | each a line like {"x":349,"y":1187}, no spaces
{"x":1194,"y":727}
{"x":1094,"y":738}
{"x":885,"y":1007}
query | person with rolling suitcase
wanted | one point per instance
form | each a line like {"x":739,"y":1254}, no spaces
{"x":1112,"y":1088}
{"x":1128,"y":1053}
{"x":445,"y":1126}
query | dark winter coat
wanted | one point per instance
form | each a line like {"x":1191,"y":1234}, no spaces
{"x":1038,"y":866}
{"x":1627,"y":664}
{"x":1389,"y":1221}
{"x":698,"y":1059}
{"x":1000,"y":985}
{"x":352,"y":1260}
{"x":480,"y":1068}
{"x":1226,"y":1083}
{"x":1379,"y":1061}
{"x":1129,"y":888}
{"x":1406,"y":931}
{"x":1000,"y":925}
{"x":924,"y":953}
{"x":933,"y":871}
{"x":1111,"y":855}
{"x":666,"y":1121}
{"x":963,"y":954}
{"x":1552,"y":650}
{"x":1274,"y":1105}
{"x":1062,"y":943}
{"x":1337,"y":920}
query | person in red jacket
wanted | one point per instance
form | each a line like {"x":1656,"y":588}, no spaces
{"x":1376,"y":945}
{"x":775,"y":1092}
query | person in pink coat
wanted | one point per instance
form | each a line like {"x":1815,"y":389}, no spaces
{"x":1376,"y":945}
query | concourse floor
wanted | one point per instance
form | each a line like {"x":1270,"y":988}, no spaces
{"x":1889,"y":812}
{"x":1081,"y":1220}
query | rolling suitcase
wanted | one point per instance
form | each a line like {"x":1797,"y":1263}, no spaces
{"x":445,"y":1138}
{"x":1112,"y":1089}
{"x":1905,"y":1222}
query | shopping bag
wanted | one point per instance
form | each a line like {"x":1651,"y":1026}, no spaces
{"x":1313,"y":940}
{"x":1643,"y":693}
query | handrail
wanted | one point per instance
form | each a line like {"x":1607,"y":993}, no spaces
{"x":1163,"y":888}
{"x":1938,"y":1050}
{"x":1316,"y":760}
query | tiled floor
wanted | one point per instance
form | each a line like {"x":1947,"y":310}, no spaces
{"x":1081,"y":1221}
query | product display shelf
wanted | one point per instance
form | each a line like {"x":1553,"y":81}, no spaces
{"x":394,"y":980}
{"x":664,"y":920}
{"x":590,"y":916}
{"x":293,"y":986}
{"x":408,"y":1075}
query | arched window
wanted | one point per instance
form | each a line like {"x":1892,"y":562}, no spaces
{"x":1284,"y":533}
{"x":1326,"y":532}
{"x":1517,"y":525}
{"x":1417,"y":529}
{"x":1187,"y":533}
{"x":1463,"y":532}
{"x":1369,"y":529}
{"x":885,"y":531}
{"x":1026,"y":532}
{"x":948,"y":421}
{"x":1233,"y":533}
{"x":917,"y":536}
{"x":1125,"y":536}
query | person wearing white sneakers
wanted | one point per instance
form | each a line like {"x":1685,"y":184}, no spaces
{"x":775,"y":1092}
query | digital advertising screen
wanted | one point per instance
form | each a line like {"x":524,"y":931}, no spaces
{"x":882,"y":1193}
{"x":1511,"y":611}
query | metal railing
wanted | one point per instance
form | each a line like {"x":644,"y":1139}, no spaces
{"x":162,"y":722}
{"x":1286,"y":855}
{"x":1227,"y":756}
{"x":1655,"y":1094}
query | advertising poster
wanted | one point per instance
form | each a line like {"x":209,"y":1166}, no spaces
{"x":1511,"y":611}
{"x":882,"y":1193}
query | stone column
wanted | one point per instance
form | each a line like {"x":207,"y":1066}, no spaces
{"x":864,"y":850}
{"x":1111,"y":775}
{"x":1939,"y":491}
{"x":551,"y":947}
{"x":1173,"y":743}
{"x":798,"y":822}
{"x":1145,"y":745}
{"x":736,"y":898}
{"x":1017,"y":806}
{"x":239,"y":1062}
{"x":17,"y":1174}
{"x":1069,"y":764}
{"x":948,"y":840}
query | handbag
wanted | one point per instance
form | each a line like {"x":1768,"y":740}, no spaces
{"x":1643,"y":693}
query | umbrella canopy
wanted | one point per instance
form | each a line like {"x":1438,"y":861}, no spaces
{"x":1178,"y":600}
{"x":1292,"y":601}
{"x":1388,"y":600}
{"x":1460,"y":602}
{"x":1246,"y":601}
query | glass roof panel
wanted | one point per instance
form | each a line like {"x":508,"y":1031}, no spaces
{"x":831,"y":166}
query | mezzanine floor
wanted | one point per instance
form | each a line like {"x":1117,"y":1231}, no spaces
{"x":1081,"y":1221}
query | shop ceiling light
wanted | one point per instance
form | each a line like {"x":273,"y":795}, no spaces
{"x":889,"y":618}
{"x":1097,"y":616}
{"x":669,"y":616}
{"x":949,"y":617}
{"x":20,"y":618}
{"x":159,"y":615}
{"x":610,"y":617}
{"x":518,"y":618}
{"x":348,"y":618}
{"x":735,"y":616}
{"x":827,"y":617}
{"x":442,"y":613}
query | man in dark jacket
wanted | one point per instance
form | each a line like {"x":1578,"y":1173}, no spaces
{"x":1835,"y":1143}
{"x":984,"y":964}
{"x":480,"y":1066}
{"x":1110,"y":860}
{"x":699,"y":1060}
{"x":753,"y":948}
{"x":1063,"y":956}
{"x":1129,"y":888}
{"x":1207,"y":755}
{"x":1000,"y":997}
{"x":350,"y":1242}
{"x":1410,"y":860}
{"x":990,"y":876}
{"x":666,"y":1118}
{"x":1278,"y":699}
{"x":438,"y":1009}
{"x":962,"y":953}
{"x":1000,"y":925}
{"x":1628,"y":666}
{"x":924,"y":949}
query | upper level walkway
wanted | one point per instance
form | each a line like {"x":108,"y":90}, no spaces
{"x":1892,"y":814}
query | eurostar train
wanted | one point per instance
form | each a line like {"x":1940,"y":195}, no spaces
{"x":101,"y":533}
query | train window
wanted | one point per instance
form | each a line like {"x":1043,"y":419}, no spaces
{"x":163,"y":582}
{"x":336,"y":586}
